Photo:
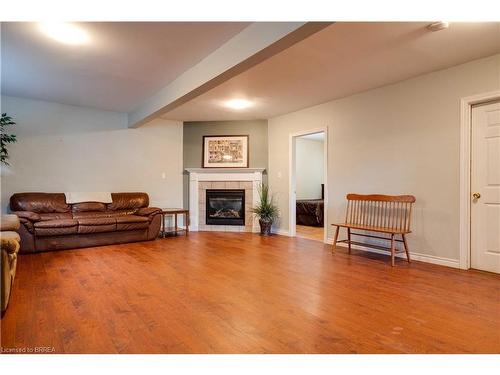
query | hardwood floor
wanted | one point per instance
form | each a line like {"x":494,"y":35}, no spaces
{"x":242,"y":293}
{"x":311,"y":233}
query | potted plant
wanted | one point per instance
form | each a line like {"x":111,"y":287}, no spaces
{"x":5,"y":121}
{"x":266,"y":210}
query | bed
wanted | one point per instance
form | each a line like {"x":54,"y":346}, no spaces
{"x":310,"y":212}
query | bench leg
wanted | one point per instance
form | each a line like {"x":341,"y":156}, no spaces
{"x":407,"y":250}
{"x":393,"y":250}
{"x":335,"y":238}
{"x":349,"y":239}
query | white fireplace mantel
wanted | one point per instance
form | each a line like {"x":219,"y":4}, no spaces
{"x":220,"y":174}
{"x":220,"y":171}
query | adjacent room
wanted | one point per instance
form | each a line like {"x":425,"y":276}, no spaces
{"x":250,"y":187}
{"x":309,"y":159}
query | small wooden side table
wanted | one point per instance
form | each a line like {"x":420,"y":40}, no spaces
{"x":175,"y":229}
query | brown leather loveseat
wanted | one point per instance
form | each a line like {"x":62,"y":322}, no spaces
{"x":49,"y":223}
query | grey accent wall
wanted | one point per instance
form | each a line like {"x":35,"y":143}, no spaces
{"x":193,"y":138}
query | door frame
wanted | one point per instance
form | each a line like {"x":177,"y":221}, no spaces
{"x":292,"y":181}
{"x":466,"y":105}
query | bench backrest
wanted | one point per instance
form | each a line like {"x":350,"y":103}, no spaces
{"x":383,"y":211}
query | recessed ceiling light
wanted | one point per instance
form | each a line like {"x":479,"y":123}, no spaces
{"x":64,"y":32}
{"x":437,"y":26}
{"x":238,"y":103}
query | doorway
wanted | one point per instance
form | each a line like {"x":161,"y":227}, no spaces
{"x":308,"y":184}
{"x":485,"y":187}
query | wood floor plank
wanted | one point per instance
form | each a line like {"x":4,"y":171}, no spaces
{"x":215,"y":292}
{"x":311,"y":233}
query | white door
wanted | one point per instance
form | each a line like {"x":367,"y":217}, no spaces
{"x":485,"y":188}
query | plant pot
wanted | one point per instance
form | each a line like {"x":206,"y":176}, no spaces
{"x":265,"y":226}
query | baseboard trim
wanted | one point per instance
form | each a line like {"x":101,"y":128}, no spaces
{"x":441,"y":261}
{"x":281,"y":232}
{"x":447,"y":262}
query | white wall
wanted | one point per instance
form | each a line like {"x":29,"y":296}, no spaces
{"x":309,"y":162}
{"x":402,"y":138}
{"x":65,"y":148}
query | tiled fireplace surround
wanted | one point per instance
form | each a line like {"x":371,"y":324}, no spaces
{"x":201,"y":179}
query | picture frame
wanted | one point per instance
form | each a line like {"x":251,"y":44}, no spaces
{"x":225,"y":151}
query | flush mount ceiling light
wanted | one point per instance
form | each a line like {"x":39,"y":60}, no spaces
{"x":437,"y":26}
{"x":64,"y":32}
{"x":238,"y":104}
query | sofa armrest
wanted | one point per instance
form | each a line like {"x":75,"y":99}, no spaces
{"x":9,"y":222}
{"x":9,"y":242}
{"x":28,"y":215}
{"x":148,"y":211}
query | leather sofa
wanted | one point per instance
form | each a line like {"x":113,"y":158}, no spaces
{"x":49,"y":223}
{"x":9,"y":243}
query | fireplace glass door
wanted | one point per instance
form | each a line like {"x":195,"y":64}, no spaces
{"x":225,"y":207}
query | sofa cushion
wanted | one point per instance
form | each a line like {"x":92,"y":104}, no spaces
{"x":131,"y":219}
{"x":56,"y":216}
{"x":56,"y":227}
{"x":96,"y":221}
{"x":39,"y":202}
{"x":96,"y":225}
{"x":104,"y":214}
{"x":118,"y":213}
{"x":127,"y":201}
{"x":131,"y":222}
{"x":88,"y":206}
{"x":58,"y":223}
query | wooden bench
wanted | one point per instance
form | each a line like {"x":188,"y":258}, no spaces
{"x":389,"y":214}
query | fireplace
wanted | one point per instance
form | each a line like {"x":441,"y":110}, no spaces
{"x":225,"y":207}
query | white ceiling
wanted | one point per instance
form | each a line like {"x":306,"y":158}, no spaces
{"x":125,"y":63}
{"x":341,"y":60}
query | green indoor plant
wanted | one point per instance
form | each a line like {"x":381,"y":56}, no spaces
{"x":5,"y":121}
{"x":266,"y":210}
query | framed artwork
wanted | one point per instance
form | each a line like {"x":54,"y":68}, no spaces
{"x":225,"y":151}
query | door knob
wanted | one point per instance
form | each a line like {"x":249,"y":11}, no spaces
{"x":476,"y":195}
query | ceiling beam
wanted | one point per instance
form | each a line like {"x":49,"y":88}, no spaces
{"x":250,"y":47}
